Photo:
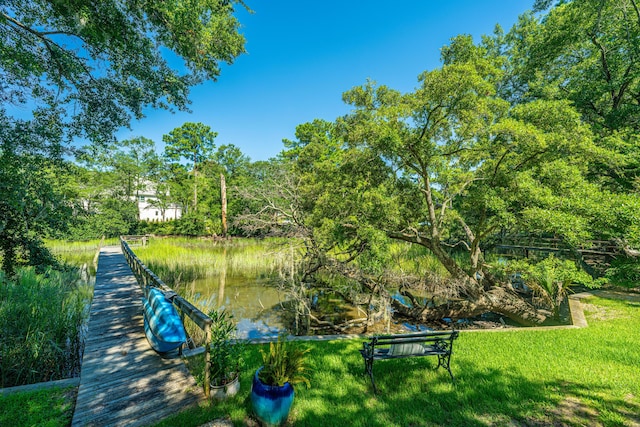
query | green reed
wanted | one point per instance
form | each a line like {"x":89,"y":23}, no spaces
{"x":41,"y":316}
{"x":182,"y":260}
{"x":82,"y":255}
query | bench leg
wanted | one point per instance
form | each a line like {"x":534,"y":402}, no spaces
{"x":444,"y":361}
{"x":368,"y":369}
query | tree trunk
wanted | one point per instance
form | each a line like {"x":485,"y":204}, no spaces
{"x":496,"y":299}
{"x":223,"y":197}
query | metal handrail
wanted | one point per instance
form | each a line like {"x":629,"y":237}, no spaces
{"x":147,"y":278}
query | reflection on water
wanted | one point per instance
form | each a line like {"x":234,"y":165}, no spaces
{"x":242,"y":277}
{"x":254,"y":302}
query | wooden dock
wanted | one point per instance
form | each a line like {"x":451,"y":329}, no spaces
{"x":123,"y":381}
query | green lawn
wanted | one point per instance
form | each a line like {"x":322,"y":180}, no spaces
{"x":44,"y":408}
{"x":580,"y":377}
{"x":562,"y":377}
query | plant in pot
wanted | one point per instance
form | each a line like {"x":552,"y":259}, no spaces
{"x":226,"y":356}
{"x":272,"y":389}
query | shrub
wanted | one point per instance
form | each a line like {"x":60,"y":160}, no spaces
{"x":624,"y":272}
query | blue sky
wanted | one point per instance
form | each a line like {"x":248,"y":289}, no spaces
{"x":302,"y":55}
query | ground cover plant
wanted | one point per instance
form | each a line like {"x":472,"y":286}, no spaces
{"x":570,"y":377}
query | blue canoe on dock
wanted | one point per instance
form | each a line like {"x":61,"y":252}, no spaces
{"x":162,"y":324}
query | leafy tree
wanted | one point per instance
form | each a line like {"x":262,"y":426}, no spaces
{"x":232,"y":161}
{"x":193,"y":142}
{"x":89,"y":67}
{"x":231,"y":166}
{"x":84,"y":69}
{"x":447,"y":165}
{"x":588,"y":52}
{"x":134,"y":162}
{"x":32,"y":206}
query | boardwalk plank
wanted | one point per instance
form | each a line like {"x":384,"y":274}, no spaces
{"x":124,"y":382}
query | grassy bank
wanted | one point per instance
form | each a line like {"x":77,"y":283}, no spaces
{"x":573,"y":377}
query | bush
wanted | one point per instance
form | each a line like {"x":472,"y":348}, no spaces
{"x":551,"y":279}
{"x":624,"y":272}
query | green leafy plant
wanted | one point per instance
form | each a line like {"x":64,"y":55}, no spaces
{"x":551,"y":280}
{"x":283,"y":363}
{"x":226,"y":352}
{"x":624,"y":272}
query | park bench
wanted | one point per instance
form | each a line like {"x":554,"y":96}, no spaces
{"x":419,"y":344}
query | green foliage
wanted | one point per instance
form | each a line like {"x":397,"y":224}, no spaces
{"x":465,"y":164}
{"x":585,"y":51}
{"x":110,"y":217}
{"x":91,"y":67}
{"x":31,"y":207}
{"x":624,"y":272}
{"x":134,"y":162}
{"x":284,"y":362}
{"x":551,"y":279}
{"x":40,"y":319}
{"x":226,"y":352}
{"x":190,"y":224}
{"x":193,"y":142}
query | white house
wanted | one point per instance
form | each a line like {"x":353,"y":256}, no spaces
{"x":151,"y":208}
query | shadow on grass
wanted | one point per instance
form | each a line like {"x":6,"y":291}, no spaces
{"x":581,"y":377}
{"x":412,"y":393}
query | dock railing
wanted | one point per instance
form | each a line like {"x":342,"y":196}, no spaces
{"x":147,"y":278}
{"x":137,"y":240}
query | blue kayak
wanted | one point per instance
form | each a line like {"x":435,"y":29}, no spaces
{"x":162,"y":324}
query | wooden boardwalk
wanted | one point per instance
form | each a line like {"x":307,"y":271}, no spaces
{"x":123,"y":381}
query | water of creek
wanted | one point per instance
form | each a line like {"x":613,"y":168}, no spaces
{"x":256,"y":303}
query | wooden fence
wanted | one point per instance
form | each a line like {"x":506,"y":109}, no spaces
{"x":147,"y":278}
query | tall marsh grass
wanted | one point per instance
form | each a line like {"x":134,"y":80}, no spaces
{"x":182,"y":260}
{"x":41,"y":317}
{"x":79,"y":254}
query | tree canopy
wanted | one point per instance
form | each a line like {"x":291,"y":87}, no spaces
{"x":528,"y":132}
{"x":86,"y":68}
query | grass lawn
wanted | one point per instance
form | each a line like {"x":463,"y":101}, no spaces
{"x":45,"y":408}
{"x":573,"y":377}
{"x":560,"y":377}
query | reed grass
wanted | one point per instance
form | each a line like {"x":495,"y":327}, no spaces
{"x":79,"y":254}
{"x":41,"y":318}
{"x":182,"y":260}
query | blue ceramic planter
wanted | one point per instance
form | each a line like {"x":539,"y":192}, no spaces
{"x":271,"y":404}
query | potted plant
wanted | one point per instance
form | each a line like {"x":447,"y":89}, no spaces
{"x":272,"y":389}
{"x":226,"y":356}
